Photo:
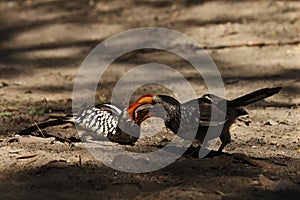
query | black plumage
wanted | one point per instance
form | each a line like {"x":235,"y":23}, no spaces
{"x":196,"y":115}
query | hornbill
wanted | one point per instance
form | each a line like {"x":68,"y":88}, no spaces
{"x":107,"y":120}
{"x":195,"y":115}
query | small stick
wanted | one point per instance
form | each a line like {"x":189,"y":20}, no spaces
{"x":253,"y":44}
{"x":26,"y":156}
{"x":257,"y":163}
{"x":39,"y":129}
{"x":80,"y":161}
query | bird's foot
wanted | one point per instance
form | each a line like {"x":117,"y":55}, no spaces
{"x":213,"y":153}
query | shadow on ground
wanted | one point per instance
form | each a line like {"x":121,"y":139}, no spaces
{"x":196,"y":177}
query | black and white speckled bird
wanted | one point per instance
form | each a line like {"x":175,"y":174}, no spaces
{"x":195,"y":115}
{"x":107,"y":120}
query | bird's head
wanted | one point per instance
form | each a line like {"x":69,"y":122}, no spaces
{"x":150,"y":105}
{"x":129,"y":123}
{"x":134,"y":115}
{"x":165,"y":100}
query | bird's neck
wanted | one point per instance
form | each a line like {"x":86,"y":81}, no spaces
{"x":173,"y":117}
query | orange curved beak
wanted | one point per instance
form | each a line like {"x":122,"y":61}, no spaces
{"x":143,"y":113}
{"x":140,"y":115}
{"x":147,"y":98}
{"x":132,"y":108}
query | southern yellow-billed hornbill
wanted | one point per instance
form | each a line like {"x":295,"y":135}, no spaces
{"x":195,"y":115}
{"x":107,"y":120}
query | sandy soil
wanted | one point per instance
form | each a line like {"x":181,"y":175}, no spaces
{"x":255,"y":44}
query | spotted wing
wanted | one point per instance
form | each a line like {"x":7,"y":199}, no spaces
{"x":102,"y":120}
{"x":199,"y":112}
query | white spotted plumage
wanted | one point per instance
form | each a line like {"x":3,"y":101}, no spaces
{"x":102,"y":120}
{"x":105,"y":120}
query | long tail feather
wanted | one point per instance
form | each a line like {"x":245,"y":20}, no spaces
{"x":43,"y":125}
{"x":253,"y":97}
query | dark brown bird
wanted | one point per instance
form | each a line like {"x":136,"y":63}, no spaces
{"x":196,"y":115}
{"x":106,"y":120}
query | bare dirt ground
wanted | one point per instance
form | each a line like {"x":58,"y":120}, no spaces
{"x":255,"y":44}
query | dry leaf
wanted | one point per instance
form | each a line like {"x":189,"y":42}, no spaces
{"x":275,"y":185}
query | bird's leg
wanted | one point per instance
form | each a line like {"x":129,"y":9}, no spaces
{"x":225,"y":139}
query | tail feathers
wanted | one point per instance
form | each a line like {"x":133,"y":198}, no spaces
{"x":65,"y":120}
{"x":253,"y":97}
